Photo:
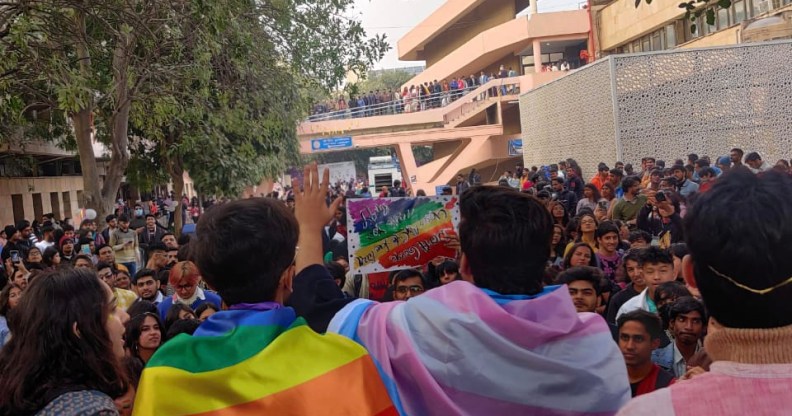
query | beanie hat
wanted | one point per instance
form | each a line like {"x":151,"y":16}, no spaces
{"x":65,"y":240}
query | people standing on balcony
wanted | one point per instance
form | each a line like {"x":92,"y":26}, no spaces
{"x":502,"y":72}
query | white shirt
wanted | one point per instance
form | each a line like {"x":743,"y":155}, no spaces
{"x":43,"y":245}
{"x":635,"y":303}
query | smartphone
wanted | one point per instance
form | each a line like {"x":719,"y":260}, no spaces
{"x":85,"y":249}
{"x":603,"y":205}
{"x":14,"y":256}
{"x":660,"y":197}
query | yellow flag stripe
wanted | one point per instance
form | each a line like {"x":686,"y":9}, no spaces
{"x":294,"y":357}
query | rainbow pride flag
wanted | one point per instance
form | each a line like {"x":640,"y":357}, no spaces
{"x":252,"y":363}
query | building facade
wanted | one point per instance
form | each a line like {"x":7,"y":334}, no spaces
{"x":665,"y":104}
{"x":470,"y":129}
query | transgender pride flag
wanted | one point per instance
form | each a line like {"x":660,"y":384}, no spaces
{"x":458,"y":350}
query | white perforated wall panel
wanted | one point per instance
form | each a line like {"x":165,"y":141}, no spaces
{"x":669,"y":104}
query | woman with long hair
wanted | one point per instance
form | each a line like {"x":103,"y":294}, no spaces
{"x":9,"y":299}
{"x":143,"y":336}
{"x":557,"y":245}
{"x":67,"y":344}
{"x":177,"y":312}
{"x":559,"y":213}
{"x":51,"y":257}
{"x":581,"y":254}
{"x":591,"y":197}
{"x":587,"y":226}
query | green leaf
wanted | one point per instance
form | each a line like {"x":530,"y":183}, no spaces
{"x":693,"y":28}
{"x":710,"y":17}
{"x":724,"y":4}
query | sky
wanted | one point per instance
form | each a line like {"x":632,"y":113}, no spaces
{"x":396,"y":17}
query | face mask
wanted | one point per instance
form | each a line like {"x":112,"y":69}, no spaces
{"x":139,"y":212}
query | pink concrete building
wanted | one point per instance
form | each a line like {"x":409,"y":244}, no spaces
{"x":465,"y":38}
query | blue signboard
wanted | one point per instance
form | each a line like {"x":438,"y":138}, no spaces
{"x":515,"y":147}
{"x":331,"y":143}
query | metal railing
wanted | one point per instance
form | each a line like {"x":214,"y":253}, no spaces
{"x":401,"y":106}
{"x":507,"y":87}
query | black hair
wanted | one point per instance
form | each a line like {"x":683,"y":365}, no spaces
{"x":589,"y":274}
{"x":144,"y":273}
{"x":123,"y":218}
{"x":204,"y":307}
{"x":595,"y":193}
{"x":750,"y":157}
{"x":405,"y":274}
{"x":679,"y":250}
{"x":448,"y":266}
{"x":140,"y":306}
{"x":54,"y":355}
{"x":48,"y":254}
{"x":687,"y":304}
{"x":167,"y":234}
{"x":738,"y":150}
{"x":101,"y":265}
{"x":616,"y":172}
{"x":173,"y":314}
{"x":83,"y":257}
{"x":225,"y":260}
{"x":497,"y":222}
{"x":673,"y":290}
{"x":156,"y":246}
{"x":650,"y":321}
{"x":150,"y":215}
{"x":702,"y":163}
{"x":752,"y":251}
{"x":182,"y":326}
{"x":655,"y":255}
{"x":110,"y":217}
{"x":694,"y":157}
{"x":133,"y":330}
{"x":629,"y":182}
{"x":336,"y":271}
{"x":604,"y":228}
{"x":707,"y":171}
{"x":558,"y":180}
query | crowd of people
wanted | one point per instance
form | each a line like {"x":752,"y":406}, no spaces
{"x":415,"y":98}
{"x":639,"y":292}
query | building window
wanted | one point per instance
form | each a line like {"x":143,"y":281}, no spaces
{"x":723,"y":20}
{"x":761,"y":6}
{"x":657,"y":40}
{"x":670,"y":36}
{"x":739,"y":11}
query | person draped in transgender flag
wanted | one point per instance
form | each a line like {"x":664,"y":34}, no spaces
{"x":257,"y":357}
{"x":495,"y":343}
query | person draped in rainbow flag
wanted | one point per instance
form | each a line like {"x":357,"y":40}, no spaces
{"x":257,"y":357}
{"x":497,"y":342}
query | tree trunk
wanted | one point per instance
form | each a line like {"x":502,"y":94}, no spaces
{"x":119,"y":122}
{"x":90,"y":172}
{"x":177,"y":177}
{"x":82,"y":120}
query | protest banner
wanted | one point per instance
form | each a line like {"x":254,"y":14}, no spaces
{"x":399,"y":233}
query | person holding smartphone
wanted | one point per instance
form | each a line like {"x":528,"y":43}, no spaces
{"x":13,"y":246}
{"x":660,"y":218}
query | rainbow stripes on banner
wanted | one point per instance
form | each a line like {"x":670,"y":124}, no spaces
{"x":253,"y":363}
{"x":399,"y":233}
